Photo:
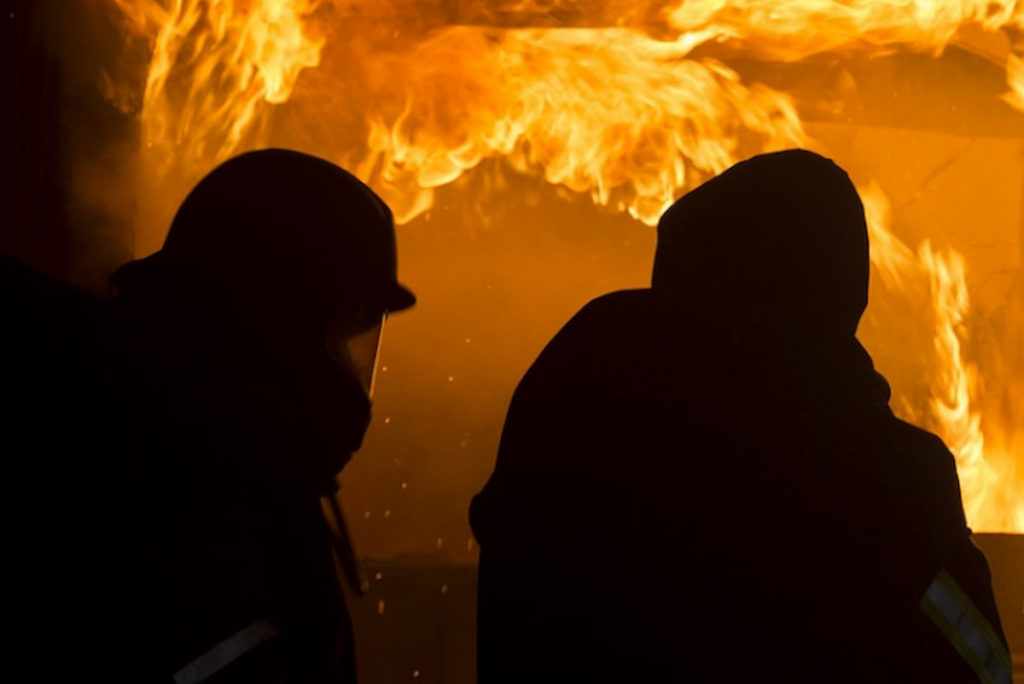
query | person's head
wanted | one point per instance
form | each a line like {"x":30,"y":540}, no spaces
{"x":283,"y":246}
{"x":778,"y":241}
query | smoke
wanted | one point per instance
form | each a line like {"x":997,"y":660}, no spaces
{"x":76,"y":130}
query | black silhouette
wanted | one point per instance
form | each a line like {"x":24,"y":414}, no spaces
{"x":702,"y":481}
{"x":226,"y":383}
{"x":69,"y":511}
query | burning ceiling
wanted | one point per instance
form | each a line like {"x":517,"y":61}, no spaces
{"x":630,"y":103}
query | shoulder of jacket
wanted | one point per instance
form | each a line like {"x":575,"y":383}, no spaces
{"x":928,"y":474}
{"x":33,"y":294}
{"x":604,"y":322}
{"x":918,"y":441}
{"x":620,"y":302}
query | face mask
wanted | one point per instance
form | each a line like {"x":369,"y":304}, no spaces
{"x":358,"y":352}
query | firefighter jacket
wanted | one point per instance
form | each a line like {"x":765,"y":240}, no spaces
{"x":674,"y":503}
{"x":703,"y":481}
{"x":166,"y":519}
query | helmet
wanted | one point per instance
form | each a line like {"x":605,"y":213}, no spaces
{"x":293,"y":227}
{"x":287,"y":237}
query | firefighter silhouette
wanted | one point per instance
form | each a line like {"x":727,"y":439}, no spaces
{"x":234,"y":368}
{"x":702,"y":481}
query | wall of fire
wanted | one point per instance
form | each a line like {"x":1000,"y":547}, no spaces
{"x":502,"y":259}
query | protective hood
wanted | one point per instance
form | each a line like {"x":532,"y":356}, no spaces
{"x":778,"y":241}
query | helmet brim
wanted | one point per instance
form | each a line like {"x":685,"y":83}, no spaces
{"x":400,"y":298}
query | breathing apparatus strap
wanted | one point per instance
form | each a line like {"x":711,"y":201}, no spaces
{"x":344,"y":548}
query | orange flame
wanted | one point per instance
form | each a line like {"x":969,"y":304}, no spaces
{"x":630,"y":119}
{"x":991,"y":480}
{"x":608,"y":112}
{"x":238,"y":56}
{"x":796,"y":30}
{"x":1015,"y":77}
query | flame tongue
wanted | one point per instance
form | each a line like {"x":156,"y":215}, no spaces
{"x":562,"y":113}
{"x":630,"y":119}
{"x":216,"y":64}
{"x":989,"y":478}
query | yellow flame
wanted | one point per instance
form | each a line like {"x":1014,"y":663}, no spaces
{"x":613,"y":112}
{"x":983,"y":480}
{"x":991,"y":482}
{"x":1015,"y":77}
{"x":607,"y":112}
{"x":239,"y":55}
{"x":796,"y":30}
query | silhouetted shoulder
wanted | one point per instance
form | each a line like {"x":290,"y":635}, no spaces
{"x":592,"y":323}
{"x":57,"y":374}
{"x":619,"y":303}
{"x":56,"y":357}
{"x":927,"y":474}
{"x":41,"y":310}
{"x":19,"y":280}
{"x":922,"y":445}
{"x":598,"y":348}
{"x":61,"y":445}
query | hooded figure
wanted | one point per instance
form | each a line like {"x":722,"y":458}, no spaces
{"x":236,"y":366}
{"x":702,"y":481}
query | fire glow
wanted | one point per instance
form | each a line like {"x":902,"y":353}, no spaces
{"x":632,"y":103}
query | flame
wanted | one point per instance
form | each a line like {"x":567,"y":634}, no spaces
{"x":239,"y":56}
{"x":1015,"y":77}
{"x":631,"y":119}
{"x":562,"y":113}
{"x":797,"y":30}
{"x":990,"y":479}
